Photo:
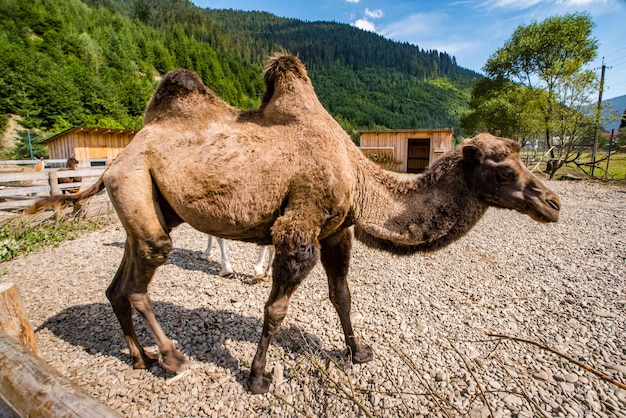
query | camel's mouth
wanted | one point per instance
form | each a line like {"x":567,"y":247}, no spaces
{"x":545,"y":211}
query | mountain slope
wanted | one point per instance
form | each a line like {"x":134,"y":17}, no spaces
{"x":96,"y":62}
{"x":614,"y":112}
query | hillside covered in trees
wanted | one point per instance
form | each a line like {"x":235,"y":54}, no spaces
{"x":96,"y":63}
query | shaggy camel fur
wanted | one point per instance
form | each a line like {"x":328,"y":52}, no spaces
{"x":287,"y":174}
{"x":262,"y":271}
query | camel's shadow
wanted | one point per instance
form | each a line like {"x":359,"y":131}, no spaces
{"x":191,"y":260}
{"x":200,"y":334}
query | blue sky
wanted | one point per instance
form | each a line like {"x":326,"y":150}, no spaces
{"x":471,"y":30}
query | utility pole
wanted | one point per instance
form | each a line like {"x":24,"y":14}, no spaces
{"x":598,"y":111}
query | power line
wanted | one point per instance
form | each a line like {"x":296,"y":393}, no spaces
{"x":614,"y":52}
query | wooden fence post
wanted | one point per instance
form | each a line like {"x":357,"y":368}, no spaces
{"x":13,"y":319}
{"x":32,"y":388}
{"x":54,"y":183}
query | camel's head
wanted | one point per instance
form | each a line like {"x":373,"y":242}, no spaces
{"x":499,"y":178}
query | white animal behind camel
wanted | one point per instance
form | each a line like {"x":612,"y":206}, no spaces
{"x":261,"y":270}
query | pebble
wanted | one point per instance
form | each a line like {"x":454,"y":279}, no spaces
{"x":603,"y":313}
{"x":425,"y":317}
{"x":513,"y":400}
{"x":617,"y":368}
{"x":543,"y":375}
{"x":571,"y":377}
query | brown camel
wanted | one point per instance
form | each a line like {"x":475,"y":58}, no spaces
{"x":70,"y":165}
{"x":38,"y":167}
{"x":287,"y":174}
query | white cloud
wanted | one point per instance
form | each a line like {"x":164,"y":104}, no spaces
{"x":365,"y":25}
{"x":526,"y":4}
{"x":374,"y":14}
{"x":508,"y":4}
{"x":567,"y":3}
{"x":352,"y":1}
{"x":414,"y":26}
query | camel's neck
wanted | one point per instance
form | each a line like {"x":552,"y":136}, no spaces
{"x":422,"y":213}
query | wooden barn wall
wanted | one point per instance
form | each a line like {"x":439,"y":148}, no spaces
{"x":440,"y":142}
{"x":388,"y":139}
{"x":85,"y":146}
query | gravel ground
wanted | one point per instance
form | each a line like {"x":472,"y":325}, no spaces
{"x":427,"y":318}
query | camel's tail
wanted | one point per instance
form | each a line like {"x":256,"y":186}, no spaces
{"x":53,"y":200}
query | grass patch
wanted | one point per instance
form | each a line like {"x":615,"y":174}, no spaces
{"x":22,"y":238}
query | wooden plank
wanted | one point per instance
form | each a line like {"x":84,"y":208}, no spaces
{"x":82,"y":172}
{"x":14,"y":177}
{"x":13,"y":319}
{"x":19,"y":192}
{"x":16,"y":204}
{"x":31,"y":387}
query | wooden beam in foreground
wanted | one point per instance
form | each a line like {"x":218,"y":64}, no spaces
{"x":32,"y":388}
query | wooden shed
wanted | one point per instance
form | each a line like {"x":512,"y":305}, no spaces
{"x":406,"y":150}
{"x":84,"y":143}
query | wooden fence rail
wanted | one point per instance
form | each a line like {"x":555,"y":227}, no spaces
{"x":19,"y":189}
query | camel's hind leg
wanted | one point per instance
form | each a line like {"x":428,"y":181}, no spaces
{"x":225,"y":268}
{"x":336,"y":261}
{"x":260,"y":271}
{"x":147,"y":246}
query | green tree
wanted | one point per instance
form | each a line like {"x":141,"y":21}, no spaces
{"x":549,"y":56}
{"x":621,"y":136}
{"x":502,"y":108}
{"x":27,"y":141}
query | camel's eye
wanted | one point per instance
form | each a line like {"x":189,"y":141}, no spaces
{"x":505,"y":174}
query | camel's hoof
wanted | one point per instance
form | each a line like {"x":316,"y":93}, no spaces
{"x":173,"y":361}
{"x":261,"y":277}
{"x":147,"y":360}
{"x":226,"y":273}
{"x":259,"y":384}
{"x":363,"y":355}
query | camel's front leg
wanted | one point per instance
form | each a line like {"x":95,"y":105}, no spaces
{"x":336,"y":262}
{"x":292,"y":263}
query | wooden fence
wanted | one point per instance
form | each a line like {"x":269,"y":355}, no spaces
{"x":18,"y":189}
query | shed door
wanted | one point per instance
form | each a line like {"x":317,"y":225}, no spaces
{"x":418,"y":155}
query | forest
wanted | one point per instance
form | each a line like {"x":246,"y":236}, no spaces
{"x":65,"y":63}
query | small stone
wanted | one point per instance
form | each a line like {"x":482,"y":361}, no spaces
{"x":542,"y":375}
{"x":479,"y":412}
{"x":603,"y":313}
{"x":558,"y":377}
{"x":617,"y":368}
{"x":513,"y":400}
{"x":440,"y":376}
{"x":278,"y":374}
{"x":621,"y":395}
{"x":422,"y":327}
{"x":571,"y":377}
{"x":495,"y":385}
{"x":567,"y":387}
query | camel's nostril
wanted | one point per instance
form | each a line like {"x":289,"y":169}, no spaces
{"x":555,"y":204}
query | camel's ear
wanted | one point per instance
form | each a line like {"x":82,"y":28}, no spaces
{"x":472,"y":153}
